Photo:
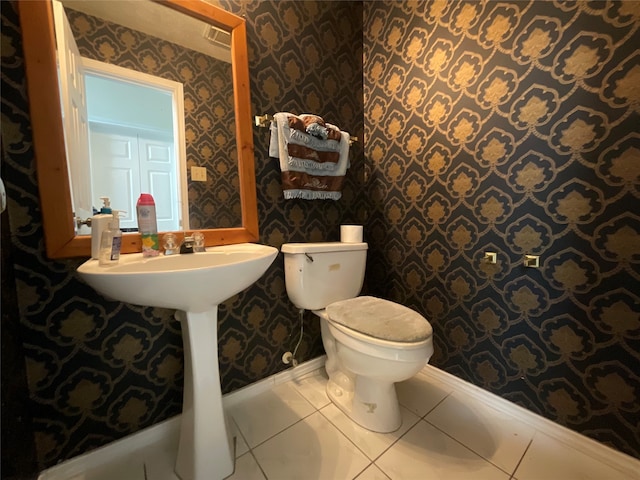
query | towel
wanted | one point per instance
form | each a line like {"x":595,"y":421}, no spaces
{"x":304,"y":150}
{"x":312,"y":167}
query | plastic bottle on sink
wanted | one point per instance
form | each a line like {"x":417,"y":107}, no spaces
{"x":99,"y":223}
{"x":111,"y":242}
{"x":148,"y":225}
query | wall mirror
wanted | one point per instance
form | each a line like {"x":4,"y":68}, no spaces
{"x":61,"y":239}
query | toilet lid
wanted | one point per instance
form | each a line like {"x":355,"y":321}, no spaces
{"x":380,"y":319}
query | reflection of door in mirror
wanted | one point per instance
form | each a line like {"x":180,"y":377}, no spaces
{"x":134,"y":133}
{"x":74,"y":116}
{"x":209,"y":110}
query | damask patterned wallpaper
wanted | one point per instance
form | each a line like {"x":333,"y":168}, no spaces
{"x":100,"y":370}
{"x":208,"y":103}
{"x":507,"y":127}
{"x":513,"y":127}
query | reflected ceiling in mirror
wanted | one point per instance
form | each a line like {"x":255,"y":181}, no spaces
{"x":40,"y":61}
{"x":146,"y":37}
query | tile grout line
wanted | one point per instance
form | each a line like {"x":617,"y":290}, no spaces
{"x":450,"y":394}
{"x":521,"y":459}
{"x":465,"y":446}
{"x":250,"y":452}
{"x":603,"y":453}
{"x":348,"y":439}
{"x":279,"y":431}
{"x":432,"y":408}
{"x":319,"y":410}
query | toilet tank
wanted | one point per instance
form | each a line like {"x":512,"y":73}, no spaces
{"x":318,"y":274}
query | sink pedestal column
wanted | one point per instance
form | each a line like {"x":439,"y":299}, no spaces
{"x":205,"y":450}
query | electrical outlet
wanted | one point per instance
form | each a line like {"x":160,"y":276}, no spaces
{"x":491,"y":257}
{"x":531,"y":261}
{"x":198,"y":174}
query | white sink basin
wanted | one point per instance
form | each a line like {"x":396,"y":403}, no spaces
{"x":192,"y":282}
{"x":195,"y":283}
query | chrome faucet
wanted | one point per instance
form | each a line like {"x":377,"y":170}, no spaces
{"x":190,"y":244}
{"x":187,"y":245}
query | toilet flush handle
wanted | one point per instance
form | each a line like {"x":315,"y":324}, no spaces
{"x":309,"y":257}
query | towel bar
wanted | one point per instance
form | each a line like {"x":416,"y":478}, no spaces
{"x":263,"y":121}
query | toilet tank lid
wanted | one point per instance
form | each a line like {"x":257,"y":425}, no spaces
{"x":381,"y":319}
{"x":320,"y":247}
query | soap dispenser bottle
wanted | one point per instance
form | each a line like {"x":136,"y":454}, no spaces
{"x":111,"y":241}
{"x":99,"y":223}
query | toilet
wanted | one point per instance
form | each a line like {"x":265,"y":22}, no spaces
{"x":370,"y":343}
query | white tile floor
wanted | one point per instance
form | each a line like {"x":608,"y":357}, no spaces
{"x":293,"y":431}
{"x":445,"y":434}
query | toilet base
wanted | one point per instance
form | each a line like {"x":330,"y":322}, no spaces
{"x":371,"y":404}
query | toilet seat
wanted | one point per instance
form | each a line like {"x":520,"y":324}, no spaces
{"x":380,"y":322}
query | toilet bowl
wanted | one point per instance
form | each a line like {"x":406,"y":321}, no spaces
{"x":370,"y":343}
{"x":363,"y":369}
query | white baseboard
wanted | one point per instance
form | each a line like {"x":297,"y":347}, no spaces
{"x":231,"y":399}
{"x":76,"y":467}
{"x":605,"y":454}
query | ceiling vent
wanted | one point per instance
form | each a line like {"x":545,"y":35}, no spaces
{"x":218,"y":37}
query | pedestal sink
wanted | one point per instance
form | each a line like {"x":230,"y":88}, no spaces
{"x":195,"y":283}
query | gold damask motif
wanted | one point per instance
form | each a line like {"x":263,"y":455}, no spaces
{"x":166,"y":368}
{"x":438,"y":57}
{"x":619,"y":165}
{"x":622,"y":84}
{"x":459,"y":337}
{"x":493,"y":206}
{"x":537,"y":39}
{"x":616,"y":313}
{"x":523,"y":358}
{"x":499,"y":25}
{"x":536,"y":106}
{"x":567,"y":337}
{"x":571,"y":271}
{"x":495,"y":148}
{"x":563,"y":403}
{"x":528,"y":235}
{"x":438,"y":110}
{"x":462,"y":234}
{"x":463,"y":127}
{"x":491,"y":316}
{"x":437,"y":258}
{"x":613,"y":384}
{"x":531,"y":173}
{"x":583,"y":57}
{"x":414,"y":46}
{"x":465,"y":71}
{"x":619,"y":240}
{"x":622,"y":14}
{"x":497,"y":88}
{"x":438,"y":209}
{"x":438,"y":159}
{"x":578,"y":132}
{"x":464,"y":16}
{"x":488,"y":369}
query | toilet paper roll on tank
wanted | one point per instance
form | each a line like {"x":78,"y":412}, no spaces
{"x":351,"y":233}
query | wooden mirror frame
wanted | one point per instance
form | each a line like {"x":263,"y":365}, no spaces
{"x":61,"y":241}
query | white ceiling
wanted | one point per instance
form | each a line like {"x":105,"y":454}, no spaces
{"x":156,"y":20}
